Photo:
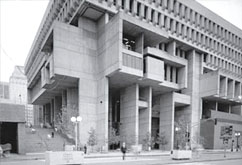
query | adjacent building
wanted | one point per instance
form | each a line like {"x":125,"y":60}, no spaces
{"x":12,"y":121}
{"x":137,"y":66}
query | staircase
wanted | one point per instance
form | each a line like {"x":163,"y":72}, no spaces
{"x":40,"y":140}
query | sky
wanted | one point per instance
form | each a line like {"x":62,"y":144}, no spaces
{"x":20,"y":19}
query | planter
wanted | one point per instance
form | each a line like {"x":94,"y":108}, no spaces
{"x":64,"y":157}
{"x":182,"y":154}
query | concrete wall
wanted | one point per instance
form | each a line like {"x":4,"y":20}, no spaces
{"x":209,"y":84}
{"x":207,"y":132}
{"x":109,"y":44}
{"x":154,"y":69}
{"x":75,"y":49}
{"x":12,"y":112}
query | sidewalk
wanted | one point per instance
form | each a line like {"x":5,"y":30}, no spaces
{"x":153,"y":157}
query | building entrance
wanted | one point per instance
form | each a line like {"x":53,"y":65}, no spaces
{"x":8,"y":134}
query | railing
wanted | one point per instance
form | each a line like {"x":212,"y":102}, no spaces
{"x":132,"y":59}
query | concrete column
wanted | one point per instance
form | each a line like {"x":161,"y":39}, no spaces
{"x":170,"y":6}
{"x":168,"y":73}
{"x":134,"y":8}
{"x":87,"y":105}
{"x":216,"y":106}
{"x":145,"y":114}
{"x":223,"y":87}
{"x":167,"y":119}
{"x":102,"y":111}
{"x":141,"y":11}
{"x":155,"y":18}
{"x":167,"y":23}
{"x":126,"y":5}
{"x":231,"y":84}
{"x":129,"y":111}
{"x":176,"y":8}
{"x":194,"y":69}
{"x":182,"y":12}
{"x":164,"y":4}
{"x":139,"y":43}
{"x":171,"y":48}
{"x":174,"y":74}
{"x":21,"y":138}
{"x":148,"y":14}
{"x":161,"y":20}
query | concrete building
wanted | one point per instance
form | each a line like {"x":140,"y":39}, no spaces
{"x":12,"y":121}
{"x":136,"y":66}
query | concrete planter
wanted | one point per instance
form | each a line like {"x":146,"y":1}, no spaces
{"x":182,"y":154}
{"x":64,"y":157}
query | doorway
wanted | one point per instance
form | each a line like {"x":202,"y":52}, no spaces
{"x":8,"y":134}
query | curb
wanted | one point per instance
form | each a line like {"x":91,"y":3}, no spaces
{"x":194,"y":161}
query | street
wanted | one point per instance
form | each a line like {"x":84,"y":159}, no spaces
{"x":132,"y":161}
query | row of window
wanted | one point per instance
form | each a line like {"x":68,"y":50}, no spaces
{"x":219,"y":62}
{"x":175,"y":26}
{"x":171,"y":73}
{"x":191,"y":16}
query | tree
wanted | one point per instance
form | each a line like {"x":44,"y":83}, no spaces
{"x":147,"y":141}
{"x":161,"y":139}
{"x":114,"y":138}
{"x":182,"y":134}
{"x":92,"y":140}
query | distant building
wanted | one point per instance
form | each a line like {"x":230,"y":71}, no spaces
{"x":4,"y":90}
{"x":18,"y":92}
{"x":137,"y":66}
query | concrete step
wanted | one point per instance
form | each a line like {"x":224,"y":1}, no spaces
{"x":38,"y":141}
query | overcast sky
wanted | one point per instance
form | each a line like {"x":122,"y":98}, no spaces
{"x":20,"y":19}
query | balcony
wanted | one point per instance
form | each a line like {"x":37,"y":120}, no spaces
{"x":220,"y":86}
{"x":132,"y":62}
{"x":169,"y":70}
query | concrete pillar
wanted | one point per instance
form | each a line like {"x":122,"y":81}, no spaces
{"x":168,"y":73}
{"x":167,"y":23}
{"x":139,"y":43}
{"x":174,"y":74}
{"x":87,"y":105}
{"x":102,"y":111}
{"x":194,"y":69}
{"x":171,"y":48}
{"x":134,"y":8}
{"x":126,"y":5}
{"x":145,"y":114}
{"x":148,"y":14}
{"x":231,"y":84}
{"x":141,"y":11}
{"x":167,"y":119}
{"x":216,"y":106}
{"x":21,"y":138}
{"x":162,"y":20}
{"x":129,"y":112}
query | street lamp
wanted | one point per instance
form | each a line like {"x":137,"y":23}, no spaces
{"x":237,"y":135}
{"x":76,"y":120}
{"x":176,"y":130}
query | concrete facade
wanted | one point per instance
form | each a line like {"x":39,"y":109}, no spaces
{"x":136,"y":66}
